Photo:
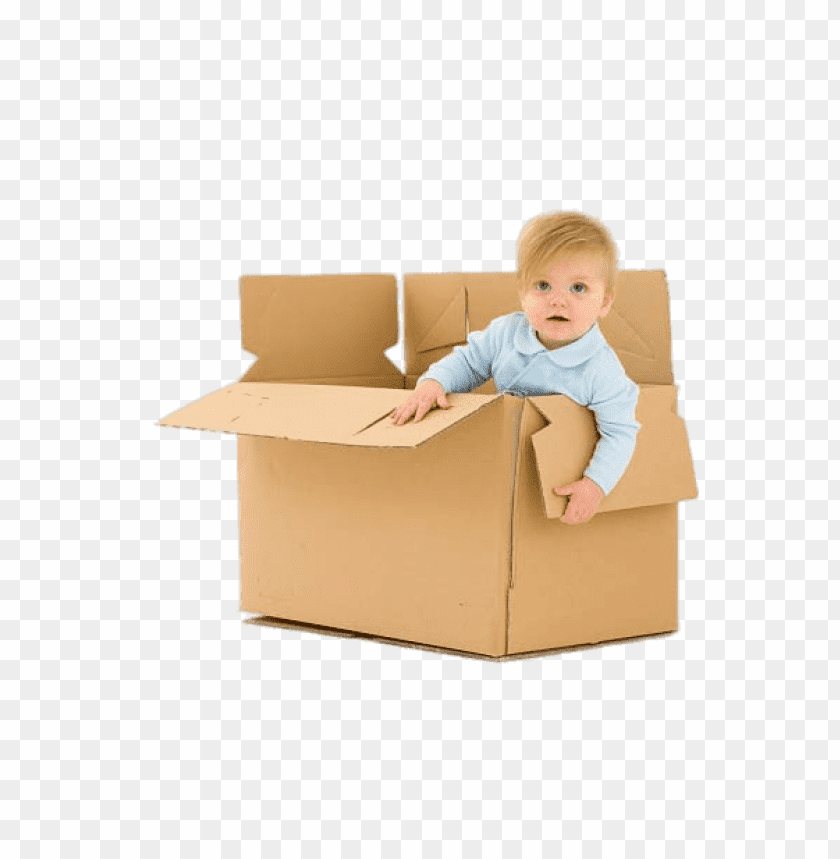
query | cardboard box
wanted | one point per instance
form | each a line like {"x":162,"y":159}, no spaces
{"x":445,"y":532}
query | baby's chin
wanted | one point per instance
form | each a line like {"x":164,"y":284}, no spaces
{"x":550,"y":343}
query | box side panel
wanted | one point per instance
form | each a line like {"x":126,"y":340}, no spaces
{"x":612,"y":577}
{"x":408,"y":544}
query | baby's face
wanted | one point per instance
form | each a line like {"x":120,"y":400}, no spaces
{"x":573,"y":288}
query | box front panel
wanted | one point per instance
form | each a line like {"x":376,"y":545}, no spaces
{"x":612,"y":577}
{"x":410,"y":544}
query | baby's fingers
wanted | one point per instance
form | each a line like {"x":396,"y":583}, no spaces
{"x":403,"y":413}
{"x":421,"y":411}
{"x":577,"y":513}
{"x":572,"y":514}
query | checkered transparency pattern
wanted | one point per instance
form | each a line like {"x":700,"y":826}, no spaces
{"x":149,"y":161}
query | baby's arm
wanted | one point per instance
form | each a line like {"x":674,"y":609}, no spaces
{"x":470,"y":365}
{"x":614,"y":406}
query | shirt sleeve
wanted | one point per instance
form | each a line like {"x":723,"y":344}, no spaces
{"x":468,"y":366}
{"x":614,"y":403}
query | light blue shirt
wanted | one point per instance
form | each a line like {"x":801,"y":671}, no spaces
{"x":587,"y":371}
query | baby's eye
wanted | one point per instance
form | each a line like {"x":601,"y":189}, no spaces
{"x":574,"y":288}
{"x":540,"y":284}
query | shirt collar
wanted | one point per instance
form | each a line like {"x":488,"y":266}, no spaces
{"x":566,"y":356}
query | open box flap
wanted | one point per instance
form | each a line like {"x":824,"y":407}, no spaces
{"x":490,"y":294}
{"x":435,"y":311}
{"x":318,"y":326}
{"x":330,"y":414}
{"x":442,"y":308}
{"x":660,"y":472}
{"x":638,"y":326}
{"x":448,"y":328}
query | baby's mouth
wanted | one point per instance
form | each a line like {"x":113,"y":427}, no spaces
{"x":557,"y":319}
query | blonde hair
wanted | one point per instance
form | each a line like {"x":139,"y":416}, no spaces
{"x":552,"y":235}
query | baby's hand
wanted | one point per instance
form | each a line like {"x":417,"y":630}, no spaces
{"x":584,"y":503}
{"x":422,"y":400}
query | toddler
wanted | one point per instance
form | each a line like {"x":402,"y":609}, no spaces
{"x":566,"y":268}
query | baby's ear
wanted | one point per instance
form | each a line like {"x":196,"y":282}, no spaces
{"x":607,"y":304}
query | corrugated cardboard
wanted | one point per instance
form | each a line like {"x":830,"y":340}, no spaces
{"x":445,"y":532}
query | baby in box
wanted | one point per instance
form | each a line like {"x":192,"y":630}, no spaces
{"x":566,"y":267}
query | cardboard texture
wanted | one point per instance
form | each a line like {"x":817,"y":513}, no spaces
{"x":445,"y":532}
